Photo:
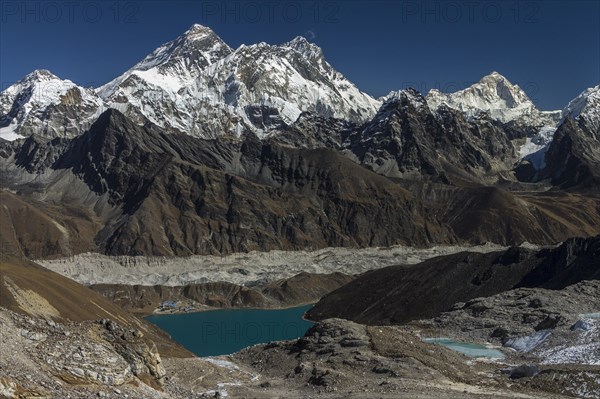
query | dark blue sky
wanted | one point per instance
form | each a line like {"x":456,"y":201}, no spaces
{"x":550,"y":48}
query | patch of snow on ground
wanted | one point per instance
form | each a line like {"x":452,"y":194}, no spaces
{"x":529,"y":342}
{"x":222,"y":363}
{"x":584,"y":350}
{"x":8,"y":133}
{"x":535,"y":147}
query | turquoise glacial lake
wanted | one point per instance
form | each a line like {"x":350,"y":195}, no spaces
{"x":222,"y":332}
{"x":469,"y":349}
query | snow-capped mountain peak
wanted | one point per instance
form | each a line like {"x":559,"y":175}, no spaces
{"x":198,"y":46}
{"x":306,"y":48}
{"x":407,"y":96}
{"x":586,"y":106}
{"x":170,"y":67}
{"x":493,"y":94}
{"x":198,"y":85}
{"x":197,"y":29}
{"x":499,"y":87}
{"x":507,"y":103}
{"x":44,"y":104}
{"x":39,"y":75}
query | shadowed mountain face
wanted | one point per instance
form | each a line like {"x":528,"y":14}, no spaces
{"x":398,"y":294}
{"x":493,"y":214}
{"x":407,"y":139}
{"x":573,"y":158}
{"x":178,"y":195}
{"x":140,"y":191}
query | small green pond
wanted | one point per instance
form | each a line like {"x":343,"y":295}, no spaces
{"x":469,"y":349}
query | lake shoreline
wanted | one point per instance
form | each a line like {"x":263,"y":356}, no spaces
{"x":212,"y":309}
{"x":226,"y":331}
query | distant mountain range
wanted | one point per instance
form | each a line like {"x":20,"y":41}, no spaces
{"x":200,"y":148}
{"x":257,"y":87}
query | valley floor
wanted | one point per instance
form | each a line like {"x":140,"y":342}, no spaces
{"x":336,"y":358}
{"x":273,"y":280}
{"x":550,"y":345}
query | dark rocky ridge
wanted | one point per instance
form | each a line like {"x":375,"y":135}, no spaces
{"x":180,"y":195}
{"x":406,"y":138}
{"x":399,"y":294}
{"x":509,"y":217}
{"x":573,"y":158}
{"x":146,"y":192}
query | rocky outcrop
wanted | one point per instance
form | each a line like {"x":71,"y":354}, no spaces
{"x":313,"y":131}
{"x":503,"y":318}
{"x":336,"y":353}
{"x":94,"y":354}
{"x":341,"y":358}
{"x":398,"y":294}
{"x":144,"y":360}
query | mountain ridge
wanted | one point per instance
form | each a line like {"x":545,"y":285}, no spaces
{"x":197,"y":84}
{"x":289,"y":78}
{"x":135,"y":190}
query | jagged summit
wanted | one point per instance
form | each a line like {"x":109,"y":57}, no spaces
{"x":196,"y":29}
{"x":506,"y":103}
{"x":408,"y":139}
{"x":197,"y":84}
{"x":586,"y":106}
{"x":405,"y":96}
{"x":44,"y":104}
{"x":494,"y":94}
{"x":171,"y":66}
{"x":298,"y":40}
{"x":39,"y":75}
{"x":495,"y":76}
{"x":512,"y":95}
{"x":302,"y":45}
